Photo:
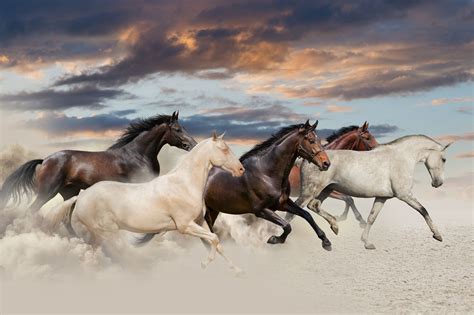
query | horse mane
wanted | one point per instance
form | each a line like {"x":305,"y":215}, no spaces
{"x":404,"y":138}
{"x":137,"y":127}
{"x":341,"y":132}
{"x":258,"y":149}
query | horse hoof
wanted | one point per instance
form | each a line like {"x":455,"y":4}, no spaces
{"x":362,"y":224}
{"x":275,"y":240}
{"x":438,"y":237}
{"x":203,"y":265}
{"x":369,"y":246}
{"x":339,"y":219}
{"x":327,"y":245}
{"x":239,"y":272}
{"x":335,"y":228}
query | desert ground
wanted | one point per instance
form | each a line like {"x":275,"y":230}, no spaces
{"x":409,"y":272}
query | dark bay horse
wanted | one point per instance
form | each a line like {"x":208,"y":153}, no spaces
{"x":133,"y":158}
{"x":264,"y":187}
{"x":347,"y":138}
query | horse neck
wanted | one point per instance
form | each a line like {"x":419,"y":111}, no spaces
{"x":416,"y":147}
{"x":281,"y":158}
{"x":197,"y":164}
{"x":149,"y":143}
{"x":347,"y":141}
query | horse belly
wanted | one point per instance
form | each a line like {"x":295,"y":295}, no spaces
{"x":367,"y":187}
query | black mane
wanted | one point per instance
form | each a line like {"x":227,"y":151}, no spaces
{"x":137,"y":127}
{"x":341,"y":132}
{"x":261,"y":147}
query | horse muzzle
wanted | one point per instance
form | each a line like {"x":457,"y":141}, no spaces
{"x":325,"y":166}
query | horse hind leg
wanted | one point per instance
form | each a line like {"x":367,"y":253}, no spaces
{"x":350,"y":204}
{"x":315,"y":206}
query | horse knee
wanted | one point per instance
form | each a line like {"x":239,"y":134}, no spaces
{"x":314,"y":205}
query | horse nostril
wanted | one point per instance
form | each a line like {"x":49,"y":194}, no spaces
{"x":326,"y":164}
{"x":242,"y":169}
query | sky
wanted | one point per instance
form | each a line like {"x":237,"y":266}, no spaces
{"x":73,"y":74}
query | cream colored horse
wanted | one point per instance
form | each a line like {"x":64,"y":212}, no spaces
{"x":170,"y":202}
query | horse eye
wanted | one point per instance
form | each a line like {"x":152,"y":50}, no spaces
{"x":444,"y":160}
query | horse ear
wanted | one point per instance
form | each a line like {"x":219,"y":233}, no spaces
{"x":172,"y":118}
{"x":222,"y":136}
{"x":214,"y":135}
{"x":176,"y":116}
{"x":365,"y":126}
{"x":446,"y":146}
{"x":315,"y":125}
{"x":306,"y":124}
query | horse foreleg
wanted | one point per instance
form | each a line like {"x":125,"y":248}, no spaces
{"x":271,"y":216}
{"x":220,"y":250}
{"x":377,"y":206}
{"x":415,"y":204}
{"x":301,"y":202}
{"x":195,"y":229}
{"x":291,"y":207}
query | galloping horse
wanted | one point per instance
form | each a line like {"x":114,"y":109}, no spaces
{"x":384,"y":172}
{"x":264,"y":187}
{"x":174,"y":201}
{"x":347,"y":138}
{"x":132,"y":158}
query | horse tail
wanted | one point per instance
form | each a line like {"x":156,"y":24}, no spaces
{"x":21,"y":181}
{"x":59,"y":214}
{"x":144,"y":238}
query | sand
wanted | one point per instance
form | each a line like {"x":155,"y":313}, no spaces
{"x":409,"y":272}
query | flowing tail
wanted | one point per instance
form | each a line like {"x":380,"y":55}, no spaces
{"x":21,"y":181}
{"x":59,"y":214}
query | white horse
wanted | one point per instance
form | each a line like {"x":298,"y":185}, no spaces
{"x":383,"y":173}
{"x":174,"y":201}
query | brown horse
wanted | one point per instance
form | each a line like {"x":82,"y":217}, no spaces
{"x":264,"y":186}
{"x":347,"y":138}
{"x":133,"y":158}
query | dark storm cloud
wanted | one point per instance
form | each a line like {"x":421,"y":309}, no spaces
{"x":50,"y":99}
{"x":61,"y":124}
{"x":216,"y":40}
{"x":239,"y":123}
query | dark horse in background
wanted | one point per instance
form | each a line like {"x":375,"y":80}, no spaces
{"x":132,"y":158}
{"x":347,"y":138}
{"x":264,"y":187}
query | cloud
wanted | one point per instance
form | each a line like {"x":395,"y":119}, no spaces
{"x":444,"y":101}
{"x":465,"y":110}
{"x":468,"y":136}
{"x":60,"y":124}
{"x":124,"y":112}
{"x":52,"y":99}
{"x":339,"y":109}
{"x":466,"y":155}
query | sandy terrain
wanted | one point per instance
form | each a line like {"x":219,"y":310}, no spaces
{"x":408,"y":272}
